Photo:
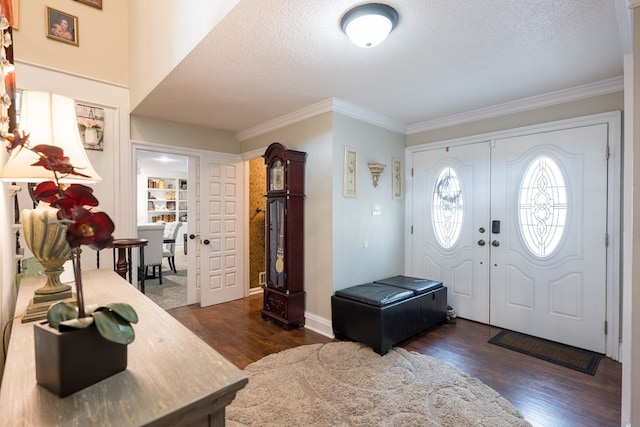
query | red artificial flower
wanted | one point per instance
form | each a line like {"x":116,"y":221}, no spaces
{"x":52,"y":158}
{"x":16,"y":140}
{"x":91,"y":229}
{"x":47,"y":191}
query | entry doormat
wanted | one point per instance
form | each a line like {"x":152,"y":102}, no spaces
{"x":561,"y":354}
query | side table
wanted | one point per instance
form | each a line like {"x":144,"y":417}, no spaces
{"x":124,"y":263}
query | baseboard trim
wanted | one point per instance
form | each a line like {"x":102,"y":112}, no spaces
{"x":318,"y":324}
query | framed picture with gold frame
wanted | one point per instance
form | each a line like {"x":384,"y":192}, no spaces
{"x":350,"y":172}
{"x":95,"y":3}
{"x":62,"y":26}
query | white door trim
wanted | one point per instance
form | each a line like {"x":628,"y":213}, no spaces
{"x":194,"y":211}
{"x":613,"y":120}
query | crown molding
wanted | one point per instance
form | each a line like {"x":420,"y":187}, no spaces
{"x":288,"y":119}
{"x":326,"y":106}
{"x":335,"y":105}
{"x":604,"y":87}
{"x":633,"y":3}
{"x":359,"y":113}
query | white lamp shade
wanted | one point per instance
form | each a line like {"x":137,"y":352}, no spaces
{"x":48,"y":119}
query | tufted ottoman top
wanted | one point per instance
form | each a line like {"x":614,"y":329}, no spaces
{"x":417,"y":285}
{"x":375,"y":294}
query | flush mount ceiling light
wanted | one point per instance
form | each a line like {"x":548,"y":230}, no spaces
{"x":369,"y":24}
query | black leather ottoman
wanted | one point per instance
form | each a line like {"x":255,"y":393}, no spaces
{"x":381,"y":315}
{"x":436,"y":309}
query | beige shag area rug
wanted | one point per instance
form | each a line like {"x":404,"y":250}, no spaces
{"x":347,"y":384}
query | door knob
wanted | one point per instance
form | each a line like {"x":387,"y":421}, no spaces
{"x":205,"y":242}
{"x":495,"y":243}
{"x":481,"y":242}
{"x":193,"y":236}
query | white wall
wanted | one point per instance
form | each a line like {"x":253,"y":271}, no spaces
{"x":366,"y":247}
{"x":107,"y":163}
{"x":116,"y":155}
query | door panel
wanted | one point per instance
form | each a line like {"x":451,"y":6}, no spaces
{"x":221,"y":277}
{"x":463,"y":266}
{"x":546,"y":278}
{"x":560,"y":296}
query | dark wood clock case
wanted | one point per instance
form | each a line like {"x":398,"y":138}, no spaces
{"x":284,"y":291}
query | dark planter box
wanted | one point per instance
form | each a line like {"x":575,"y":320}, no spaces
{"x":72,"y":360}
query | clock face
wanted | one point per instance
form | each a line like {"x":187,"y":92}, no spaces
{"x":277,"y":175}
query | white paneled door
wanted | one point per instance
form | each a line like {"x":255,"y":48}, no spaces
{"x":221,"y":231}
{"x":548,"y":274}
{"x":516,"y":229}
{"x":451,"y":215}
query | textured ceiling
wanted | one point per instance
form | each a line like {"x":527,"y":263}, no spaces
{"x":269,"y":58}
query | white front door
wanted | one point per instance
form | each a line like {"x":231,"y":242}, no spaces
{"x":516,"y":230}
{"x":451,"y":215}
{"x":548,"y":274}
{"x":221,"y":231}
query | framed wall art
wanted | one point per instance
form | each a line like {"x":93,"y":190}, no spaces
{"x":350,"y":172}
{"x":62,"y":27}
{"x":91,"y":126}
{"x":95,"y":3}
{"x":396,"y":178}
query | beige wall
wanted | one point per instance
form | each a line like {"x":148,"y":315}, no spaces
{"x":103,"y":37}
{"x":181,"y":135}
{"x":567,"y":110}
{"x":314,"y":137}
{"x":366,"y":247}
{"x":159,"y":44}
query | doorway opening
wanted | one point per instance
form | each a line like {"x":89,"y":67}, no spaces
{"x":162,"y":183}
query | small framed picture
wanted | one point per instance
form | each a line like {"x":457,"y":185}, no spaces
{"x":396,"y":179}
{"x":62,"y":27}
{"x":350,"y":172}
{"x":91,"y":126}
{"x":95,"y":3}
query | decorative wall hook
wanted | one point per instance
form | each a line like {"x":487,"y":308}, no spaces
{"x":376,"y":170}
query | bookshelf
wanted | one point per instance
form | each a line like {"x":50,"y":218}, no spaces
{"x":166,"y":199}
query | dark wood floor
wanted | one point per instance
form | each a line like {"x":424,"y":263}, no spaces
{"x":546,"y":394}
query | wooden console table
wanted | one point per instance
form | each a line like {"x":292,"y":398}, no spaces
{"x":172,"y":378}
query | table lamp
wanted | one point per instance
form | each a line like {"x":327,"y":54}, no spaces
{"x":49,"y":119}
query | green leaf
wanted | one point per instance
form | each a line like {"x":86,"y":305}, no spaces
{"x":114,"y":328}
{"x":61,"y":311}
{"x":90,"y":308}
{"x":125,"y":311}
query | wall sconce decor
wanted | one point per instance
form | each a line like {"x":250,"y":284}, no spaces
{"x":376,"y":170}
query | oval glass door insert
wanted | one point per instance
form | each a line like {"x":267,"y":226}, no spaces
{"x":447,"y":208}
{"x":542,"y":207}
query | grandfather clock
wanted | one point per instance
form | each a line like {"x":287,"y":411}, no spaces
{"x":284,"y":291}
